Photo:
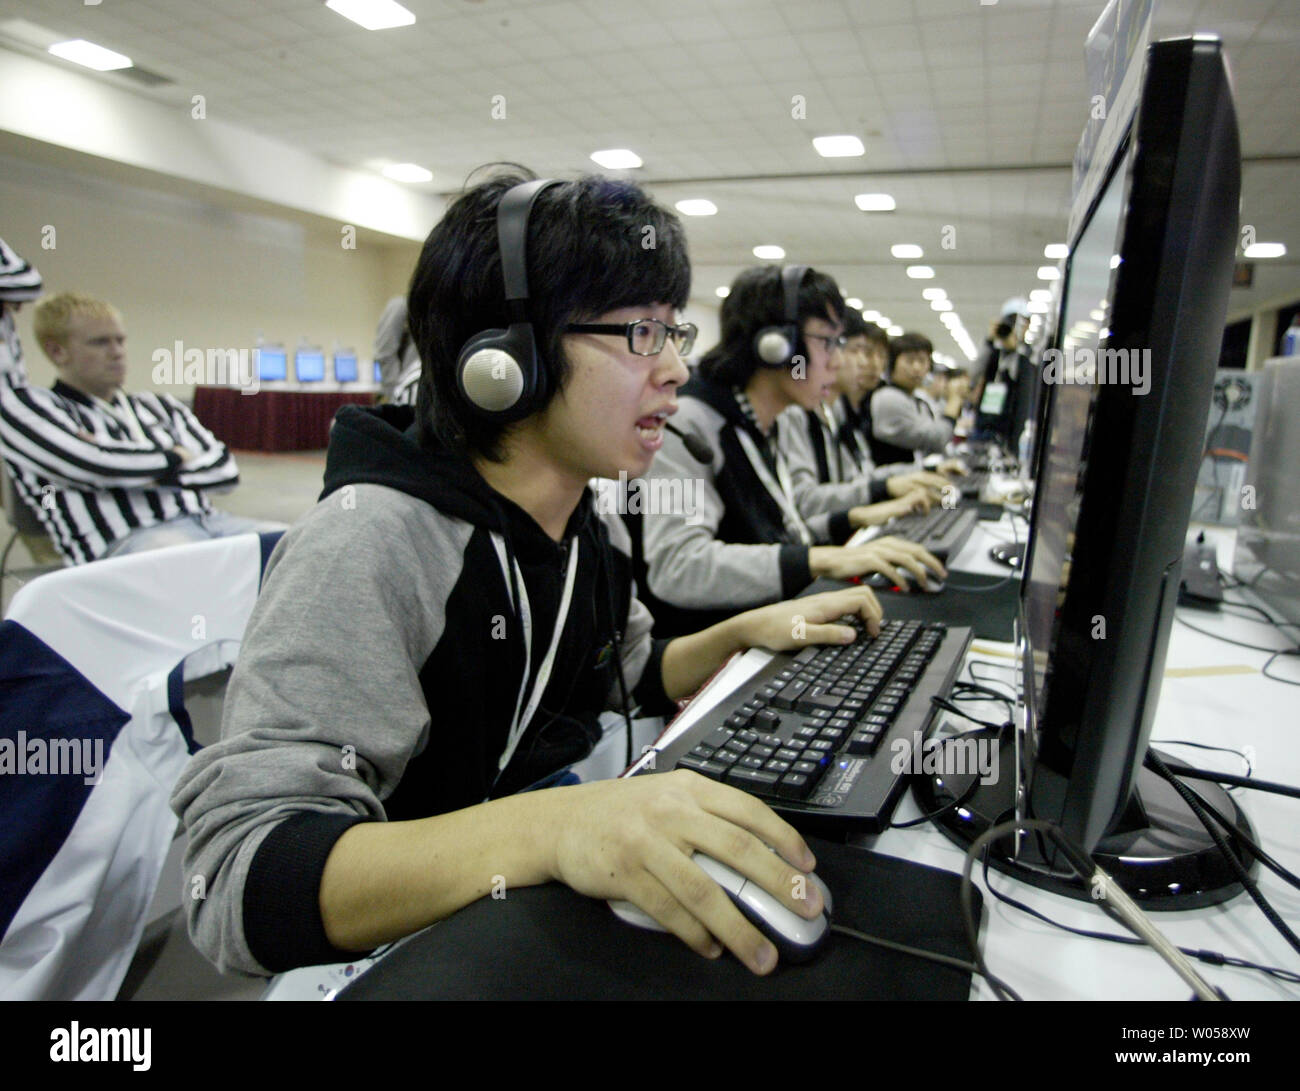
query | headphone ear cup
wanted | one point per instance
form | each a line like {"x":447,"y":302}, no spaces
{"x":774,"y":345}
{"x":498,"y":372}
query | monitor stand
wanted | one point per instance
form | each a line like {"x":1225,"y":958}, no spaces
{"x":1158,"y":852}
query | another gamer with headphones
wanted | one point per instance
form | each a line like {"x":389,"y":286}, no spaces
{"x":442,"y":630}
{"x":747,"y":543}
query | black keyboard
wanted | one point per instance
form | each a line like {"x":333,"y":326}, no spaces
{"x":972,"y":484}
{"x":942,"y":531}
{"x":814,"y":733}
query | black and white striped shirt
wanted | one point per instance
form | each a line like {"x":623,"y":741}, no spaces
{"x":91,"y":481}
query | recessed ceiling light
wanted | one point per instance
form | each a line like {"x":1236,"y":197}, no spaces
{"x":895,"y":331}
{"x":1041,"y":295}
{"x":1265,"y":250}
{"x":407,"y":172}
{"x":941,"y":304}
{"x":769,"y":253}
{"x":906,"y":250}
{"x":836,"y":147}
{"x":617,"y":159}
{"x":875,"y":202}
{"x":934,"y":293}
{"x":870,"y":316}
{"x":372,"y":14}
{"x":722,"y":291}
{"x":1049,"y":272}
{"x":696,"y":206}
{"x":1038,"y":306}
{"x":920,"y":272}
{"x":1056,"y":250}
{"x":80,"y":51}
{"x":883,"y":321}
{"x":853,"y":302}
{"x":950,"y":319}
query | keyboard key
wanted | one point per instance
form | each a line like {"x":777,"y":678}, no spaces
{"x":711,"y":769}
{"x":794,"y":786}
{"x":786,"y":754}
{"x":752,"y":779}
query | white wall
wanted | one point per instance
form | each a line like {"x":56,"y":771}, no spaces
{"x":180,"y":267}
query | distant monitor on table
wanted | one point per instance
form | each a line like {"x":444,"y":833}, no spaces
{"x":309,"y":365}
{"x":272,"y":364}
{"x":345,"y":366}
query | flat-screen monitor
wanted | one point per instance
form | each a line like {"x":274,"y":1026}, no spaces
{"x":345,"y":367}
{"x":1128,"y":384}
{"x":272,"y":364}
{"x":379,"y":376}
{"x":309,"y":365}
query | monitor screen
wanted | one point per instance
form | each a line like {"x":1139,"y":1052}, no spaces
{"x":379,"y":378}
{"x":272,"y":364}
{"x":345,"y":367}
{"x":1063,"y":461}
{"x":309,"y":365}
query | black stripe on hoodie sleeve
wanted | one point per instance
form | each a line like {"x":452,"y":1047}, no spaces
{"x":282,"y":921}
{"x":795,"y":573}
{"x":649,"y":690}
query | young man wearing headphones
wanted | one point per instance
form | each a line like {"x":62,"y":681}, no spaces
{"x":443,"y":629}
{"x":747,"y":543}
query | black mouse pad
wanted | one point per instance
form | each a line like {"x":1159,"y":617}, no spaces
{"x":987,"y":604}
{"x":548,"y":943}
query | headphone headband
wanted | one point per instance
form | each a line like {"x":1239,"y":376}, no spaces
{"x":791,"y":281}
{"x":512,"y":236}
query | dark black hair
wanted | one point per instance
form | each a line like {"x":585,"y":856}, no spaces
{"x":757,"y":299}
{"x":854,"y":325}
{"x":878,"y":335}
{"x":594,"y":245}
{"x":910,"y":341}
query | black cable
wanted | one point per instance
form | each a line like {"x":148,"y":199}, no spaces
{"x":985,"y":663}
{"x":1189,"y":797}
{"x":1210,"y":958}
{"x":902,"y":948}
{"x":1206,"y":746}
{"x":1280,"y":870}
{"x":1179,"y":769}
{"x":1273,"y":677}
{"x":1015,"y":572}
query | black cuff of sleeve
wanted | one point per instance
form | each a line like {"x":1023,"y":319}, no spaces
{"x":174,"y":464}
{"x":649,"y":691}
{"x":839,"y":527}
{"x":879,"y":491}
{"x":795,"y":572}
{"x":282,"y":922}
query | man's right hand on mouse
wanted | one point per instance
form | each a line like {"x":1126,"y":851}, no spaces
{"x":633,"y":839}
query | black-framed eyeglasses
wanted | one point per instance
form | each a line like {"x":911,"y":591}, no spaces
{"x":645,"y":336}
{"x":832,"y":343}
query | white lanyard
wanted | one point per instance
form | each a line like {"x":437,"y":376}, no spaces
{"x":527,"y":701}
{"x":780,"y":490}
{"x":834,"y":448}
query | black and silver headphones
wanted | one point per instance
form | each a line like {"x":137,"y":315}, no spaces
{"x":775,"y":346}
{"x":499,"y":371}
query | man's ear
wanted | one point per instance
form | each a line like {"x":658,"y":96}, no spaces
{"x":57,"y":352}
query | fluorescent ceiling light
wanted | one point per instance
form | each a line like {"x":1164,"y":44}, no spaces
{"x":853,"y":302}
{"x":1041,"y":295}
{"x":934,"y":293}
{"x":80,"y":51}
{"x":1265,"y":250}
{"x":1038,"y":306}
{"x":950,"y":319}
{"x":906,"y":250}
{"x":895,"y":331}
{"x":920,"y":272}
{"x":1049,"y":272}
{"x":870,"y":316}
{"x":1056,"y":250}
{"x":696,"y":206}
{"x":617,"y":159}
{"x":771,"y":253}
{"x":875,"y":202}
{"x":372,"y":14}
{"x":722,"y":291}
{"x":941,"y":304}
{"x":883,"y":321}
{"x":407,"y":172}
{"x":835,"y":147}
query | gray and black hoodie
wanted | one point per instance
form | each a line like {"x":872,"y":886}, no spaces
{"x":379,"y":676}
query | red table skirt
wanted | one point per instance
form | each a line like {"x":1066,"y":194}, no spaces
{"x":272,"y":420}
